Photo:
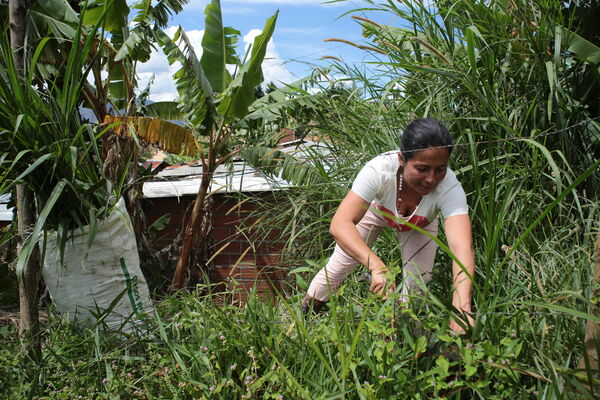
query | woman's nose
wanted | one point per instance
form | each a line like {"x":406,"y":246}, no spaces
{"x":430,"y":178}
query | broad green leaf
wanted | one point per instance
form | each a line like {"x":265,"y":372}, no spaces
{"x":240,"y":93}
{"x":275,"y":104}
{"x":117,"y":85}
{"x":59,"y":29}
{"x":59,"y":10}
{"x":160,"y":223}
{"x":195,"y":91}
{"x":115,"y":14}
{"x":159,"y":13}
{"x":232,"y":37}
{"x":133,"y":45}
{"x":582,"y":48}
{"x":279,"y":164}
{"x":213,"y":47}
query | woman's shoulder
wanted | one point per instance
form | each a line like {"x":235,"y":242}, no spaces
{"x":385,"y":162}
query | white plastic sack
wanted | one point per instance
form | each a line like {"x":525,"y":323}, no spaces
{"x":90,"y":279}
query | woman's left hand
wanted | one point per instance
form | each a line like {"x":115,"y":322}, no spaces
{"x":380,"y":284}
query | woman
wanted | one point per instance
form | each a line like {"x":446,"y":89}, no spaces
{"x":413,"y":185}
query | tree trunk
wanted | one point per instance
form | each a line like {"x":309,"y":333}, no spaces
{"x":28,"y":282}
{"x":193,"y":227}
{"x":17,"y":16}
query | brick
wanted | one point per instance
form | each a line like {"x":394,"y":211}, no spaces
{"x":221,"y":233}
{"x":225,"y":220}
{"x":268,"y":259}
{"x":226,"y":247}
{"x":249,"y":273}
{"x":222,"y":259}
{"x":270,"y":247}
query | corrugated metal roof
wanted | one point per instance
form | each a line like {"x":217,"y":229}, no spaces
{"x":6,"y":214}
{"x":182,"y":180}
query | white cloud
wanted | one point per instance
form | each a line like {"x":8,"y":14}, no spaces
{"x":237,"y":10}
{"x":273,"y":66}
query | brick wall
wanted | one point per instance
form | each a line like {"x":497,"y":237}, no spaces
{"x":241,"y":262}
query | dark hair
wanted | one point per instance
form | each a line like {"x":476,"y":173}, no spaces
{"x":423,"y":133}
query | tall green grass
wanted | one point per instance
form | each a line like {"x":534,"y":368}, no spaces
{"x":361,"y":348}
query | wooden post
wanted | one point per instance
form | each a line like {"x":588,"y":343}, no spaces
{"x":592,"y":332}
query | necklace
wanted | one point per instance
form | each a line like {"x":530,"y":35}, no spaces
{"x":399,"y":199}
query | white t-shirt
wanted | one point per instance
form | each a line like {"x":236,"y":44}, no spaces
{"x":376,"y":183}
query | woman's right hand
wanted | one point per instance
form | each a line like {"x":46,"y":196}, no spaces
{"x":379,"y":282}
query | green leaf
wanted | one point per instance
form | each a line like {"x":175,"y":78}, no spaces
{"x":272,"y":106}
{"x":160,"y":223}
{"x":59,"y":29}
{"x":575,"y":313}
{"x":148,"y":19}
{"x":31,"y":242}
{"x":555,"y":168}
{"x":160,"y":13}
{"x":240,"y":93}
{"x":470,"y":370}
{"x":195,"y":91}
{"x":471,"y":49}
{"x":581,"y":47}
{"x":279,"y":164}
{"x":33,"y":166}
{"x":444,"y":364}
{"x":117,"y":84}
{"x":132,"y":46}
{"x":114,"y":12}
{"x":420,"y":345}
{"x":217,"y":46}
{"x":59,"y":10}
{"x":301,"y":269}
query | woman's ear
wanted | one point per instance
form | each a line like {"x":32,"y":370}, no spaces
{"x":400,"y":159}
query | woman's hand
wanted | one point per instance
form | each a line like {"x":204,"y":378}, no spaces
{"x":379,"y":282}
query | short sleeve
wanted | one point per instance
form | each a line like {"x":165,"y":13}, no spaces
{"x":366,"y":184}
{"x":453,"y":202}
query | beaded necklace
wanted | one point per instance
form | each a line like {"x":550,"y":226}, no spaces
{"x":399,"y":182}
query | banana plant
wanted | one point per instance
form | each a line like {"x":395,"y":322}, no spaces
{"x":213,"y":101}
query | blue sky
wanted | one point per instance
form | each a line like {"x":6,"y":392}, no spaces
{"x":297,"y":44}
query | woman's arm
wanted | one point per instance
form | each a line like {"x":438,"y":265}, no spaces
{"x":460,"y":241}
{"x":343,"y":228}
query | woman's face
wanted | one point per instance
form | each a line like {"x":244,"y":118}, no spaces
{"x":425,"y":170}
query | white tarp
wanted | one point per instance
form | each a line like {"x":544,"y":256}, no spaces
{"x":90,"y":279}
